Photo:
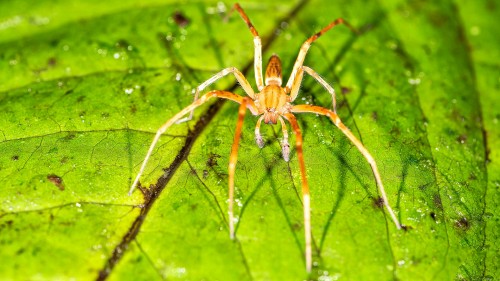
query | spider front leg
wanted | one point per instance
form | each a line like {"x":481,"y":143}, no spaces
{"x":230,"y":70}
{"x":257,"y":48}
{"x":306,"y":199}
{"x":305,"y":47}
{"x":173,"y":120}
{"x":298,"y":79}
{"x":336,"y":120}
{"x":233,"y":158}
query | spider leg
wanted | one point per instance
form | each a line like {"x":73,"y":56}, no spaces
{"x":233,"y":158}
{"x":258,"y":137}
{"x":315,"y":75}
{"x":305,"y":47}
{"x":257,"y":47}
{"x":336,"y":120}
{"x":306,"y":200}
{"x":230,"y":70}
{"x":285,"y":146}
{"x":171,"y":121}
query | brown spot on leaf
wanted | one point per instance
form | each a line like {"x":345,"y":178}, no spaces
{"x":462,"y":224}
{"x":437,"y":201}
{"x":433,"y":215}
{"x":64,"y":160}
{"x":56,"y":180}
{"x":395,"y":131}
{"x":345,"y":90}
{"x":69,"y":137}
{"x":15,"y":158}
{"x":133,"y":108}
{"x":212,"y":160}
{"x":51,"y":61}
{"x":378,"y":202}
{"x":180,"y":19}
{"x":462,"y":138}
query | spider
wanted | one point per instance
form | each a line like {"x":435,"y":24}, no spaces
{"x":273,"y":103}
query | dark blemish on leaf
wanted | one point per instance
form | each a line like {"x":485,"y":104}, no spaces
{"x":212,"y":160}
{"x":54,"y":43}
{"x":68,"y":92}
{"x":122,"y":43}
{"x":456,"y":116}
{"x":462,"y":224}
{"x":378,"y":202}
{"x":437,"y":19}
{"x":80,"y":98}
{"x":437,"y":201}
{"x":15,"y":158}
{"x":433,"y":215}
{"x":374,"y":115}
{"x":341,"y":104}
{"x":395,"y":131}
{"x":64,"y":160}
{"x":296,"y":226}
{"x":472,"y":177}
{"x":82,"y":113}
{"x":345,"y":90}
{"x":105,"y":115}
{"x":133,"y":108}
{"x":51,"y":61}
{"x":69,"y":137}
{"x":6,"y":224}
{"x":181,"y":20}
{"x":56,"y":180}
{"x":491,"y":5}
{"x":462,"y":139}
{"x":194,"y":207}
{"x":20,"y":251}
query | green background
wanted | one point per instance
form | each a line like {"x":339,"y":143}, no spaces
{"x":84,"y":87}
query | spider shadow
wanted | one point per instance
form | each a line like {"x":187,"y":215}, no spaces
{"x":267,"y":177}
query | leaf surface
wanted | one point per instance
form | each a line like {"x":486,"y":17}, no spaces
{"x":84,"y":88}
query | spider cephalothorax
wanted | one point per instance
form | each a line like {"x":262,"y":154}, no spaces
{"x":273,"y":103}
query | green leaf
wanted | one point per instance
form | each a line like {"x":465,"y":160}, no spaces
{"x":84,"y":87}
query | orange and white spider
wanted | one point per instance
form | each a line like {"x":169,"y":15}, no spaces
{"x":273,"y":103}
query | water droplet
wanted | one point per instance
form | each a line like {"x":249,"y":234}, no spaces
{"x":16,"y":20}
{"x":128,"y":91}
{"x":475,"y":30}
{"x":414,"y":81}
